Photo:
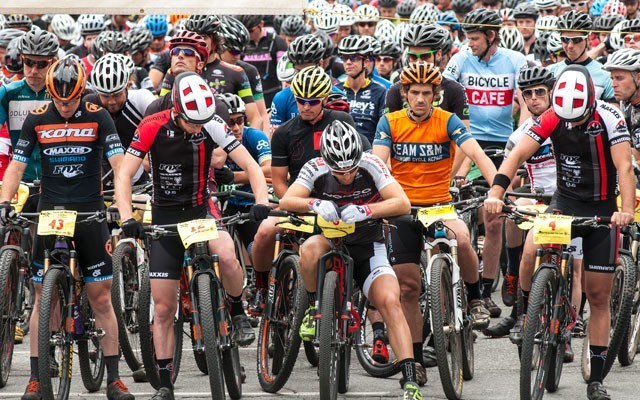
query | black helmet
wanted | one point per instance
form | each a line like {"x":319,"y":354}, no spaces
{"x":462,"y":6}
{"x":575,"y":21}
{"x":12,"y":57}
{"x":39,"y":43}
{"x":250,"y":21}
{"x":390,"y":49}
{"x":533,"y":76}
{"x":327,"y":42}
{"x":235,"y":35}
{"x":525,"y":10}
{"x":139,"y":38}
{"x":306,"y":49}
{"x":277,"y":22}
{"x":425,"y":35}
{"x":540,"y":51}
{"x":293,"y":25}
{"x":405,"y":8}
{"x":481,"y":20}
{"x":203,"y":24}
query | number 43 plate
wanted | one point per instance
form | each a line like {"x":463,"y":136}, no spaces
{"x":57,"y":222}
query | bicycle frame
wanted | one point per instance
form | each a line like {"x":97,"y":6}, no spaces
{"x":283,"y":248}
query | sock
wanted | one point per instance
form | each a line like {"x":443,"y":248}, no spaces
{"x":378,"y":330}
{"x":408,"y":370}
{"x":583,"y":302}
{"x":312,"y":298}
{"x":33,"y":361}
{"x":525,"y":302}
{"x":236,"y":305}
{"x":165,"y":369}
{"x":262,"y":280}
{"x":514,"y":312}
{"x":513,"y":260}
{"x":111,"y":363}
{"x":597,"y":355}
{"x":486,"y":289}
{"x":473,"y":291}
{"x":417,"y":353}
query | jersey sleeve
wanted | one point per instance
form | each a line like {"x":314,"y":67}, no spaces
{"x":28,"y":140}
{"x":4,"y":105}
{"x":457,"y":131}
{"x":616,"y":125}
{"x":519,"y":62}
{"x":459,"y":103}
{"x":383,"y":133}
{"x":109,"y":138}
{"x":259,"y":142}
{"x":452,"y":70}
{"x":378,"y":170}
{"x":278,"y":112}
{"x":309,"y":173}
{"x":279,"y":148}
{"x":244,"y":87}
{"x":145,"y":135}
{"x":543,"y":128}
{"x":220,"y":133}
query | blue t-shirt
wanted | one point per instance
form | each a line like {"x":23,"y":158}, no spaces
{"x":366,"y":106}
{"x":257,"y":143}
{"x":601,"y":78}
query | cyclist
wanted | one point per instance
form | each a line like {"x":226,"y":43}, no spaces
{"x":366,"y":97}
{"x":387,"y":58}
{"x":90,"y":27}
{"x":180,"y":143}
{"x":140,"y":39}
{"x":604,"y":25}
{"x":363,"y":189}
{"x":526,"y":16}
{"x":420,"y":144}
{"x":366,"y":19}
{"x":387,"y":9}
{"x":71,"y":182}
{"x":489,"y":75}
{"x":632,"y":8}
{"x":591,"y":143}
{"x":158,"y":25}
{"x":65,"y":28}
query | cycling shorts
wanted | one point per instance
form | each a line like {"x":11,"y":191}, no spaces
{"x":91,"y":240}
{"x":369,"y":263}
{"x":247,"y":230}
{"x":497,"y":160}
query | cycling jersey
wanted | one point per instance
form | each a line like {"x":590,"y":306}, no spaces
{"x":254,"y":79}
{"x":374,"y":76}
{"x":264,"y":55}
{"x":451,"y":97}
{"x":179,"y":162}
{"x":366,"y":106}
{"x":372,"y":176}
{"x":601,"y":78}
{"x":585,"y":169}
{"x":422,"y":153}
{"x":88,"y":64}
{"x":297,"y":141}
{"x":632,"y":117}
{"x":17,"y":99}
{"x":162,"y":62}
{"x":257,"y":143}
{"x":71,"y":151}
{"x":541,"y":166}
{"x":491,"y":89}
{"x":228,"y":78}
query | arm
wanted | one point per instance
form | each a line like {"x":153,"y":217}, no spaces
{"x":523,"y":150}
{"x":256,"y":178}
{"x":219,"y":158}
{"x":11,"y":181}
{"x":127,"y":170}
{"x":262,"y":110}
{"x":621,"y":155}
{"x":381,"y":151}
{"x":243,"y":177}
{"x":395,"y":202}
{"x":253,"y":115}
{"x":296,"y":199}
{"x":279,"y":180}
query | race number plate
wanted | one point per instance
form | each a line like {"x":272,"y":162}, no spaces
{"x":306,"y":227}
{"x":336,"y":229}
{"x":57,"y":222}
{"x":537,"y":208}
{"x":198,"y":230}
{"x":552,"y":229}
{"x":429,"y":215}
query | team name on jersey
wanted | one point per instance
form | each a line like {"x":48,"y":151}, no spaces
{"x":496,"y":90}
{"x":60,"y":133}
{"x":420,"y":152}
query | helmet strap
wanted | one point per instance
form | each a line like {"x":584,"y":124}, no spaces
{"x":489,"y":45}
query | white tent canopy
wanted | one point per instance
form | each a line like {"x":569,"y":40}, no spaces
{"x":219,"y":7}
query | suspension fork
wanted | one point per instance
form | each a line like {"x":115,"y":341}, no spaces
{"x":273,"y":278}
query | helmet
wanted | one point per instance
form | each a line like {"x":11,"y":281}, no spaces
{"x":449,"y":19}
{"x":615,"y":7}
{"x":390,"y":49}
{"x":510,"y":3}
{"x":544,"y":4}
{"x":462,"y":6}
{"x":7,"y":35}
{"x":553,"y":42}
{"x":387,"y":3}
{"x":630,"y":25}
{"x":250,"y":21}
{"x":277,"y":22}
{"x":192,"y":98}
{"x":575,"y":21}
{"x":311,"y":83}
{"x":285,"y":69}
{"x":306,"y":49}
{"x":347,"y":16}
{"x":367,"y":13}
{"x":511,"y":38}
{"x":293,"y":25}
{"x":355,"y":44}
{"x":66,"y":79}
{"x":113,"y":42}
{"x":540,"y":51}
{"x":340,"y":146}
{"x":574,"y":96}
{"x":405,"y":8}
{"x":424,"y":14}
{"x":39,"y":43}
{"x":422,"y":73}
{"x":547,"y":23}
{"x":401,"y":30}
{"x":2,"y":21}
{"x":233,"y":102}
{"x":525,"y":10}
{"x":191,"y":39}
{"x":338,"y":102}
{"x":597,"y":7}
{"x":110,"y":74}
{"x":327,"y":42}
{"x":235,"y":35}
{"x":425,"y":35}
{"x":607,"y":22}
{"x":506,"y":14}
{"x":374,"y":46}
{"x":327,"y":22}
{"x":128,"y":62}
{"x":18,"y":21}
{"x":534,"y":76}
{"x":157,"y":24}
{"x":481,"y":20}
{"x":91,"y":24}
{"x":139,"y":38}
{"x":203,"y":24}
{"x":12,"y":59}
{"x":626,"y":59}
{"x":615,"y":38}
{"x":64,"y":26}
{"x":385,"y":31}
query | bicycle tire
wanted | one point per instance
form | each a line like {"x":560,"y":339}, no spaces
{"x":91,"y":370}
{"x":147,"y":351}
{"x":555,"y":367}
{"x":621,"y":304}
{"x":54,"y":284}
{"x":448,"y":346}
{"x":8,"y":308}
{"x":329,"y":352}
{"x":233,"y":371}
{"x":210,"y":337}
{"x":290,"y":303}
{"x":28,"y":300}
{"x":633,"y":337}
{"x":468,"y":356}
{"x":124,"y":296}
{"x":198,"y":355}
{"x":540,"y":300}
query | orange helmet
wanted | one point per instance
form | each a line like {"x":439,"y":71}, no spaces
{"x":420,"y":73}
{"x":66,"y":79}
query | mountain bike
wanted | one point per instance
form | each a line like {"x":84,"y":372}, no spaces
{"x":629,"y":346}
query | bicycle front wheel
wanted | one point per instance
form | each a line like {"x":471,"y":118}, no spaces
{"x":55,"y":345}
{"x":534,"y":371}
{"x":90,"y":353}
{"x":622,"y":295}
{"x":8,"y":284}
{"x":630,"y":344}
{"x":329,"y":356}
{"x":447,"y":342}
{"x":210,"y":337}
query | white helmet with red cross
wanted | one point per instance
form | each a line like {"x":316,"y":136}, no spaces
{"x":573,"y":94}
{"x":193,"y":99}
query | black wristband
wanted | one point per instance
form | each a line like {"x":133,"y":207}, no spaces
{"x":501,"y":180}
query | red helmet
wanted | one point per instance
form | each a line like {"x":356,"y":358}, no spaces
{"x":193,"y":40}
{"x":193,"y":99}
{"x":338,"y":102}
{"x":573,"y":94}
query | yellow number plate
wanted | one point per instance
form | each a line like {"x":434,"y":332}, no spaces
{"x":20,"y":197}
{"x":57,"y":222}
{"x":306,"y":228}
{"x":429,"y":215}
{"x":537,"y":208}
{"x":146,"y":218}
{"x":198,"y":230}
{"x":335,"y":229}
{"x":552,"y":229}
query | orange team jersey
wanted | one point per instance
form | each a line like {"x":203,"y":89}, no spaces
{"x":422,"y":153}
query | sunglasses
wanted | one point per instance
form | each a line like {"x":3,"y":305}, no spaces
{"x":413,"y":57}
{"x":352,"y":57}
{"x":237,"y":121}
{"x":632,"y":38}
{"x":234,"y":52}
{"x":344,"y":172}
{"x":384,"y":59}
{"x":42,"y":64}
{"x":363,"y":24}
{"x":548,"y":11}
{"x":310,"y":102}
{"x":573,"y":39}
{"x":579,"y":3}
{"x":184,"y":50}
{"x":539,"y":92}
